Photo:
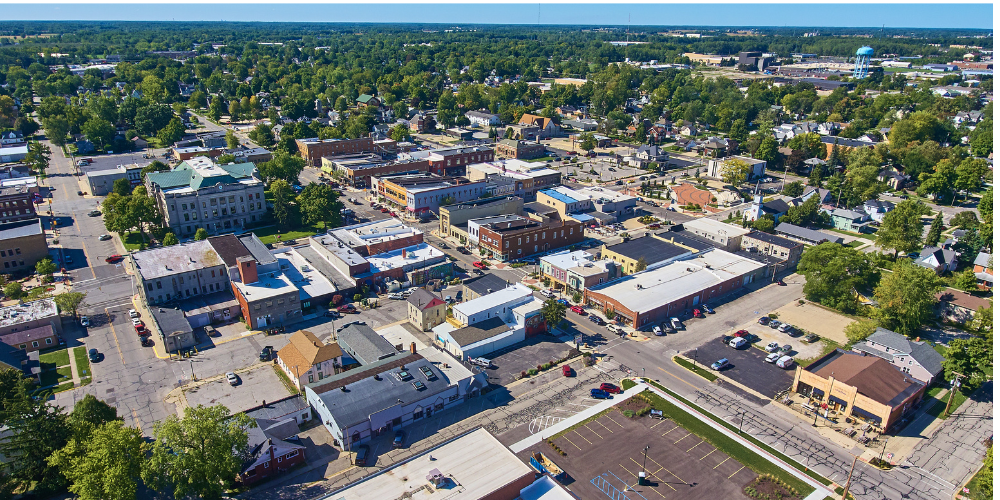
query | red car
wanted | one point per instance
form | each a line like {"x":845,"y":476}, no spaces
{"x":385,"y":210}
{"x":479,"y":264}
{"x":347,"y":308}
{"x":567,"y":371}
{"x":141,"y":330}
{"x":610,"y":388}
{"x":741,"y":333}
{"x":112,"y":259}
{"x":653,"y":226}
{"x":578,"y":310}
{"x":392,"y":214}
{"x":697,"y":313}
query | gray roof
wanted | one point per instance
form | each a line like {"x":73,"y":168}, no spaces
{"x":486,"y":283}
{"x":12,"y":356}
{"x":257,"y":249}
{"x":20,"y":229}
{"x":772,"y":239}
{"x":922,"y":352}
{"x":421,"y":298}
{"x":171,"y":320}
{"x":847,"y":214}
{"x":687,"y":238}
{"x":806,"y":234}
{"x":362,"y":343}
{"x":984,"y":259}
{"x":25,"y":336}
{"x":280,"y":409}
{"x":653,"y":249}
{"x":479,"y":331}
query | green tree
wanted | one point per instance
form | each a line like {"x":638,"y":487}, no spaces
{"x":972,"y":357}
{"x":200,"y":234}
{"x":793,"y":189}
{"x":920,"y":126}
{"x":833,"y":273}
{"x":764,"y":224}
{"x":319,"y":203}
{"x":198,"y":100}
{"x":45,"y":267}
{"x":14,"y":291}
{"x":283,"y":166}
{"x":984,"y":480}
{"x":859,"y":330}
{"x":905,"y":297}
{"x":554,"y":313}
{"x":233,"y":142}
{"x":199,"y":455}
{"x":69,"y":301}
{"x":806,"y":213}
{"x":400,"y":133}
{"x":216,"y":108}
{"x":587,"y":141}
{"x":934,"y":233}
{"x":156,"y":166}
{"x":56,"y":129}
{"x":902,"y":228}
{"x":99,"y":131}
{"x":36,"y":429}
{"x":282,"y":195}
{"x":970,"y":173}
{"x":768,"y":150}
{"x":171,"y":132}
{"x":941,"y":182}
{"x":262,"y":135}
{"x":738,"y":131}
{"x":117,"y":216}
{"x":986,"y":210}
{"x":981,"y":139}
{"x":966,"y":220}
{"x":170,"y":239}
{"x":966,"y":280}
{"x":38,"y":157}
{"x":122,"y":187}
{"x":104,"y":466}
{"x":89,"y":413}
{"x":641,"y":264}
{"x":810,"y":143}
{"x":735,"y":172}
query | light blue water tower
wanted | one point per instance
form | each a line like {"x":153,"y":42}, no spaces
{"x":862,"y":61}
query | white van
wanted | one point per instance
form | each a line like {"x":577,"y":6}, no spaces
{"x":738,"y":342}
{"x":485,"y":363}
{"x":785,"y":362}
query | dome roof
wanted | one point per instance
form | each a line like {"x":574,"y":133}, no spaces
{"x":865,"y":51}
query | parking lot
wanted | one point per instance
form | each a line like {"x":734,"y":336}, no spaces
{"x":748,"y":366}
{"x":813,"y":318}
{"x":524,"y":356}
{"x":605,"y":456}
{"x":800,"y":348}
{"x":255,"y":386}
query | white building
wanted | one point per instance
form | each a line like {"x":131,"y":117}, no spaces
{"x":483,"y":119}
{"x":490,"y":323}
{"x":715,"y":166}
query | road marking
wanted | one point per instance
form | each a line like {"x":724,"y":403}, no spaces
{"x":695,"y":446}
{"x":681,"y":439}
{"x":135,"y":416}
{"x":668,"y":470}
{"x":720,"y":463}
{"x":671,"y":430}
{"x":678,"y":378}
{"x":733,"y":474}
{"x":117,"y":345}
{"x":658,"y":423}
{"x":707,"y":454}
{"x":598,"y":422}
{"x":581,"y":435}
{"x":615,"y":421}
{"x":592,"y":430}
{"x":653,"y":475}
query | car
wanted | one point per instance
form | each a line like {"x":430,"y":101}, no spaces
{"x":785,"y":362}
{"x":478,"y":272}
{"x":347,"y":308}
{"x":738,"y":343}
{"x":610,"y":388}
{"x":409,"y":291}
{"x":741,"y":333}
{"x":812,"y":337}
{"x":786,"y":328}
{"x":567,"y":371}
{"x":444,"y":245}
{"x":111,"y":259}
{"x":398,"y":441}
{"x":786,"y":348}
{"x":84,"y":321}
{"x":132,"y":313}
{"x":720,"y":364}
{"x":697,"y":313}
{"x":613,"y":328}
{"x":145,"y":341}
{"x":667,"y":328}
{"x":332,"y":313}
{"x":676,"y":323}
{"x":267,"y":353}
{"x":707,"y":310}
{"x":545,"y":293}
{"x":479,"y":264}
{"x":94,"y":213}
{"x":93,"y":355}
{"x":773,"y":346}
{"x":104,"y":237}
{"x":384,"y":210}
{"x":79,"y":193}
{"x":137,"y":322}
{"x":563,"y":302}
{"x":774,"y":323}
{"x":396,"y":296}
{"x":578,"y":310}
{"x":653,"y":226}
{"x":657,"y":331}
{"x":392,"y":214}
{"x":726,"y":339}
{"x":232,"y":378}
{"x":764,"y":320}
{"x":596,"y":319}
{"x":463,"y":250}
{"x":483,"y":362}
{"x":599,"y":394}
{"x":774,"y":356}
{"x":141,"y":330}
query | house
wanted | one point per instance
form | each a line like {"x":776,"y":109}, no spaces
{"x":270,"y":450}
{"x":843,"y":143}
{"x":983,"y":267}
{"x":867,"y":388}
{"x":425,"y":310}
{"x":807,"y":236}
{"x":11,"y":137}
{"x":716,"y":166}
{"x":422,"y":123}
{"x":84,"y":147}
{"x":915,"y":358}
{"x":365,"y":100}
{"x":305,"y":359}
{"x":937,"y":259}
{"x":895,"y":179}
{"x":647,"y":154}
{"x":547,"y":127}
{"x":483,"y":119}
{"x":490,"y":323}
{"x":782,"y":249}
{"x":689,"y":130}
{"x":759,"y":208}
{"x":972,"y":117}
{"x":959,"y":307}
{"x":876,"y":209}
{"x":849,"y":220}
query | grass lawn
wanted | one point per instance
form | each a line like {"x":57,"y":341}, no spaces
{"x":63,"y":387}
{"x":82,"y":362}
{"x":975,"y":489}
{"x":65,"y":373}
{"x":938,"y":409}
{"x":38,"y":292}
{"x":132,"y":240}
{"x":287,"y":382}
{"x":268,"y":234}
{"x":856,"y":235}
{"x":855,"y":243}
{"x":940,"y":349}
{"x":697,"y":369}
{"x":54,"y":359}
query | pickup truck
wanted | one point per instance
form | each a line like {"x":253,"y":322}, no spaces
{"x":543,"y":465}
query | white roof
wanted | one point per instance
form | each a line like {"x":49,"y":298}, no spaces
{"x":713,"y":226}
{"x":368,"y":233}
{"x":595,"y":193}
{"x":476,"y":461}
{"x":567,"y":259}
{"x":492,"y":300}
{"x":309,"y":281}
{"x":647,"y":290}
{"x":517,"y":169}
{"x":395,"y":259}
{"x":265,"y":286}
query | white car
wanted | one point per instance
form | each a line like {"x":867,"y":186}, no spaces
{"x":657,"y":331}
{"x":84,"y":321}
{"x":774,"y":356}
{"x":396,"y":296}
{"x":136,"y":321}
{"x":132,"y":313}
{"x":104,"y":237}
{"x":545,"y":293}
{"x":785,"y":328}
{"x":773,"y":346}
{"x":737,"y":342}
{"x":231,"y":377}
{"x":483,"y":362}
{"x":676,"y":323}
{"x":785,"y":362}
{"x":613,"y":328}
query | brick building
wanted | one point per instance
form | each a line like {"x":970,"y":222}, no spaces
{"x":22,"y":244}
{"x":521,"y":236}
{"x":521,"y":150}
{"x":313,"y":150}
{"x":266,"y":300}
{"x":451,"y":161}
{"x":17,"y":203}
{"x":359,"y":169}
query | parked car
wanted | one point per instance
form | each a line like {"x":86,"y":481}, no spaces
{"x":483,"y":362}
{"x":111,"y":259}
{"x":361,"y":457}
{"x":94,"y":213}
{"x":578,"y":310}
{"x":785,"y":362}
{"x":774,"y":356}
{"x":397,"y":442}
{"x":567,"y":371}
{"x":812,"y":337}
{"x":697,"y":313}
{"x":786,"y":348}
{"x":463,"y":250}
{"x":137,"y":322}
{"x":232,"y":378}
{"x":773,"y":346}
{"x":267,"y":353}
{"x":610,"y":388}
{"x":396,"y":296}
{"x":741,"y":333}
{"x":545,"y":293}
{"x":764,"y":320}
{"x":667,"y":328}
{"x":599,"y":394}
{"x":596,"y":319}
{"x":94,"y":355}
{"x":332,"y":313}
{"x":347,"y":309}
{"x":613,"y":328}
{"x":132,"y":313}
{"x":479,"y":265}
{"x":720,"y":364}
{"x":84,"y":321}
{"x":676,"y":323}
{"x":707,"y":310}
{"x":563,"y":302}
{"x":738,"y":343}
{"x":654,"y":225}
{"x":774,"y":323}
{"x":145,"y":341}
{"x":104,"y":237}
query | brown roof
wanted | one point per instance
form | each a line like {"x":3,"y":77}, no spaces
{"x":305,"y":350}
{"x":538,"y":121}
{"x":963,"y":300}
{"x":873,"y":376}
{"x":229,"y":248}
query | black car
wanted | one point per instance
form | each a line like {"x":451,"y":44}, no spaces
{"x":266,"y":353}
{"x":596,"y":319}
{"x":763,"y":320}
{"x":146,"y":341}
{"x":463,"y":250}
{"x":94,"y":355}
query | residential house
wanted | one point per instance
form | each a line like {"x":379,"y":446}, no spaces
{"x":983,"y":267}
{"x":876,"y":209}
{"x":915,"y":358}
{"x":937,"y":259}
{"x":849,"y":220}
{"x":305,"y":359}
{"x":270,"y":450}
{"x":365,"y":101}
{"x":959,"y":307}
{"x":425,"y":310}
{"x":11,"y":137}
{"x":895,"y":179}
{"x":483,"y":119}
{"x":647,"y":154}
{"x":546,"y":126}
{"x":759,"y":208}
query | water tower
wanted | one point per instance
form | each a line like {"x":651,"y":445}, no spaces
{"x":862,"y":61}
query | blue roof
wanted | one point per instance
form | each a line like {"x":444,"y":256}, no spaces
{"x":582,"y":217}
{"x":559,"y":196}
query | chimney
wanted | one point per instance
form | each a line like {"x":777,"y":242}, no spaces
{"x":404,"y":253}
{"x":413,"y":347}
{"x":248,"y":269}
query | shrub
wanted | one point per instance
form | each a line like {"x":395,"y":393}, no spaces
{"x":532,"y":372}
{"x":772,"y":316}
{"x":538,"y":367}
{"x":524,"y":374}
{"x":628,"y":413}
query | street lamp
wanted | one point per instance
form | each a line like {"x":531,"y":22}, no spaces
{"x":743,"y":414}
{"x":696,"y":356}
{"x":642,"y":475}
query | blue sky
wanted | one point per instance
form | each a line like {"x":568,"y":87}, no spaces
{"x":832,"y":15}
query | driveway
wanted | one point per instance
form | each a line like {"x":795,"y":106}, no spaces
{"x":748,"y":367}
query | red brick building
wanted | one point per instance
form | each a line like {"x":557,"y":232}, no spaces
{"x":16,"y":203}
{"x":509,"y":148}
{"x":521,"y":236}
{"x":270,"y":454}
{"x":313,"y":150}
{"x":452,"y":161}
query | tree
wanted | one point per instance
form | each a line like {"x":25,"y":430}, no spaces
{"x":920,"y":126}
{"x":283,"y":166}
{"x":641,"y":264}
{"x":156,"y":166}
{"x":199,"y":455}
{"x":768,"y":150}
{"x":56,"y":129}
{"x":984,"y":481}
{"x":151,"y":118}
{"x":99,"y":131}
{"x":171,"y":133}
{"x":36,"y":430}
{"x":319,"y":203}
{"x":89,"y":413}
{"x":859,"y":330}
{"x":810,"y":143}
{"x":216,"y":108}
{"x":981,"y":139}
{"x":764,"y":224}
{"x":941,"y":182}
{"x":45,"y":267}
{"x":587,"y":141}
{"x":793,"y":189}
{"x":400,"y":133}
{"x":972,"y":357}
{"x":38,"y":157}
{"x":986,"y":209}
{"x":122,"y":187}
{"x":104,"y":466}
{"x":735,"y":172}
{"x":235,"y":110}
{"x":200,"y":234}
{"x":261,"y":135}
{"x":906,"y":297}
{"x":282,"y":194}
{"x":225,"y":159}
{"x":14,"y":291}
{"x":554,"y":313}
{"x":738,"y":131}
{"x":966,"y":280}
{"x":833,"y":273}
{"x":198,"y":100}
{"x":806,"y":213}
{"x":233,"y":142}
{"x":69,"y":301}
{"x":965,"y":220}
{"x":970,"y":173}
{"x":902,"y":228}
{"x":170,"y":239}
{"x":934,"y":233}
{"x":117,"y":216}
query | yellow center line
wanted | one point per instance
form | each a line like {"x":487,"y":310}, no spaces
{"x":581,"y":435}
{"x":733,"y":474}
{"x":678,"y":378}
{"x":682,"y":439}
{"x":695,"y":446}
{"x":135,"y":416}
{"x":707,"y":454}
{"x":720,"y":463}
{"x":112,"y":325}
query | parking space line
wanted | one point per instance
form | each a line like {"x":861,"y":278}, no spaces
{"x":592,"y":430}
{"x":653,"y":475}
{"x":581,"y":435}
{"x":682,"y":439}
{"x":671,"y":430}
{"x":572,"y":443}
{"x":695,"y":446}
{"x":615,"y":421}
{"x":598,"y":422}
{"x":733,"y":474}
{"x":668,"y":470}
{"x":720,"y":463}
{"x":706,"y":455}
{"x":658,"y":423}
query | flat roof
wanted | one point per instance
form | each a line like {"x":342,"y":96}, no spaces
{"x":370,"y":233}
{"x":395,"y":259}
{"x":652,"y":249}
{"x":186,"y":257}
{"x":476,"y":461}
{"x":492,"y":300}
{"x":647,"y":290}
{"x":20,"y":229}
{"x":468,"y":335}
{"x":487,"y":283}
{"x":265,"y":287}
{"x":303,"y":275}
{"x":715,"y":227}
{"x":567,"y":258}
{"x":563,"y":194}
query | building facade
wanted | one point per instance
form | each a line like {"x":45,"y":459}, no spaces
{"x":17,"y":203}
{"x":521,"y":150}
{"x":453,"y":219}
{"x":173,"y":273}
{"x":313,"y":150}
{"x":22,"y":244}
{"x":521,"y":236}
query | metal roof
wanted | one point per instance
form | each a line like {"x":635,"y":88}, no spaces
{"x":362,"y":343}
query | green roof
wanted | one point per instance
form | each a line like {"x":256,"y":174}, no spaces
{"x":364,"y":98}
{"x":184,"y":176}
{"x":170,"y":180}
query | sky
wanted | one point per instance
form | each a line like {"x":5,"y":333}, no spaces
{"x":941,"y":15}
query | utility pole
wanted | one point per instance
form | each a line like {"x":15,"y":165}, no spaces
{"x":848,"y":485}
{"x":642,"y":475}
{"x":954,"y":385}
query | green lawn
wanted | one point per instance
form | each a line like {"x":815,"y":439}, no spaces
{"x":938,"y":409}
{"x":63,"y":387}
{"x":856,"y":235}
{"x":697,"y":369}
{"x":855,"y":243}
{"x":53,"y":359}
{"x":268,"y":234}
{"x":65,"y":373}
{"x":975,"y":489}
{"x":82,"y":362}
{"x":132,"y":240}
